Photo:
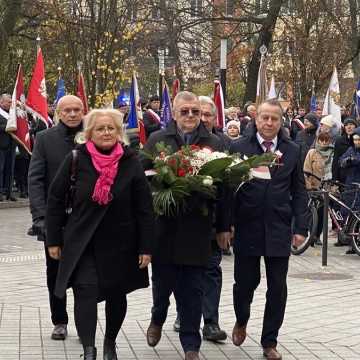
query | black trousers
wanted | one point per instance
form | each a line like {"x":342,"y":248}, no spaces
{"x":212,"y":288}
{"x":7,"y":163}
{"x":247,"y":278}
{"x":186,"y":282}
{"x":57,"y":305}
{"x":86,"y":295}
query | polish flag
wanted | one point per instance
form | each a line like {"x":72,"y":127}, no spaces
{"x":36,"y":102}
{"x":81,"y":92}
{"x":219,"y":102}
{"x":17,"y":125}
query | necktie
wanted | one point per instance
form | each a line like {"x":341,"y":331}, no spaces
{"x":187,"y":138}
{"x":267,"y":145}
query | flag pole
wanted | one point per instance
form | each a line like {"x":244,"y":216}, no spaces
{"x":38,"y":39}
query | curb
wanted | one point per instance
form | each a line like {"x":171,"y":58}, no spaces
{"x":20,"y":203}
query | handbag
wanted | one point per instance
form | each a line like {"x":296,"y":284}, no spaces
{"x":69,"y":197}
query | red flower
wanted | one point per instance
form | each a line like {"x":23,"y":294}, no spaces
{"x":181,"y":172}
{"x":194,"y":147}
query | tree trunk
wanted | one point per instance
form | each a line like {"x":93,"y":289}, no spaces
{"x":354,"y":37}
{"x":8,"y":22}
{"x":264,"y":38}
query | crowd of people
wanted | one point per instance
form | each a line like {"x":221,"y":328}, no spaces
{"x":91,"y":205}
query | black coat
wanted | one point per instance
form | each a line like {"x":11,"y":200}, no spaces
{"x":186,"y":239}
{"x":118,"y":232}
{"x":305,"y":140}
{"x":150,"y":124}
{"x":263,"y":209}
{"x":50,"y":150}
{"x":6,"y":140}
{"x":342,"y":143}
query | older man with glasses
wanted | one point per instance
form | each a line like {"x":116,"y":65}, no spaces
{"x":183,"y":244}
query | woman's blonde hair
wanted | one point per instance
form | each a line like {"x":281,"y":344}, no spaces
{"x":90,"y":119}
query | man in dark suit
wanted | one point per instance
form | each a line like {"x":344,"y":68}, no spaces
{"x":51,"y":148}
{"x":183,"y":244}
{"x":7,"y":151}
{"x":263,"y":212}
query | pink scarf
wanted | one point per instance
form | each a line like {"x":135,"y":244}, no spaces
{"x":107,"y":166}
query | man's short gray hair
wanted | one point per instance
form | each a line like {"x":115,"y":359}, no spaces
{"x":186,"y":96}
{"x":5,"y":96}
{"x":207,"y":100}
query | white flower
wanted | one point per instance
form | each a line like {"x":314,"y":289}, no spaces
{"x":279,"y":154}
{"x":208,"y":181}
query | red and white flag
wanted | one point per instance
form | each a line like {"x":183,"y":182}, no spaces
{"x":17,"y":125}
{"x":175,"y":88}
{"x":36,"y":102}
{"x":219,"y":102}
{"x":81,"y":92}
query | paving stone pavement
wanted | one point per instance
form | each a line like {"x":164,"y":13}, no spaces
{"x":322,"y":319}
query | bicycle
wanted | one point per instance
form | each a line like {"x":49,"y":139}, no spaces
{"x":348,"y":229}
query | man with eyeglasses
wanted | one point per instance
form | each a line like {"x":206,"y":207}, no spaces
{"x":183,"y":243}
{"x":51,"y":148}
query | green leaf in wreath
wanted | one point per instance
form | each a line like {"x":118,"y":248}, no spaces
{"x":216,"y":168}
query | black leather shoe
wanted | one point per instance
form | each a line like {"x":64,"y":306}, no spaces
{"x":90,"y":353}
{"x":176,"y":326}
{"x":212,"y":332}
{"x":11,"y":198}
{"x":59,"y":332}
{"x":350,"y":252}
{"x":109,"y":350}
{"x":338,"y":244}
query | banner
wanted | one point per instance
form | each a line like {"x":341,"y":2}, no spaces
{"x":135,"y":113}
{"x":219,"y":102}
{"x":332,"y":100}
{"x":81,"y":92}
{"x":17,"y":125}
{"x":36,"y":102}
{"x":165,"y":112}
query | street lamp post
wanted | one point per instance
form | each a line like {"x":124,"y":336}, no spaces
{"x":223,"y":54}
{"x":161,"y":54}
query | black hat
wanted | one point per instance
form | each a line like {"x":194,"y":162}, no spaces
{"x":350,"y":120}
{"x":154,"y":98}
{"x":312,"y":118}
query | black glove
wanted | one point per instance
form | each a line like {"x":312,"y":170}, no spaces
{"x":39,"y":226}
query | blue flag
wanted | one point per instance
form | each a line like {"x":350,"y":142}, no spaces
{"x":313,"y":104}
{"x":133,"y":111}
{"x":60,"y":90}
{"x":165,"y":114}
{"x":357,"y":100}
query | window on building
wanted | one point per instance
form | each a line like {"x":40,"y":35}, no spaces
{"x":195,"y":50}
{"x":196,"y":8}
{"x":158,"y":9}
{"x":261,"y":6}
{"x":230,"y":7}
{"x":132,"y":7}
{"x":289,"y":7}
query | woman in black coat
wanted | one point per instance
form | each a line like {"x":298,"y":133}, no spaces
{"x":104,"y":246}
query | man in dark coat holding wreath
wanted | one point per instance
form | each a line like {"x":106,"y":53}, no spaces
{"x":263,"y":212}
{"x":183,"y":243}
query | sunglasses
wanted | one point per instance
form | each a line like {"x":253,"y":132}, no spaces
{"x":186,"y":112}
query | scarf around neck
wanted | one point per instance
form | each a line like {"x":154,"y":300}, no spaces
{"x":106,"y":166}
{"x":327,"y":152}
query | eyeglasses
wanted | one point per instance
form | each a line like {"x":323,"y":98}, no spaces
{"x":104,"y":129}
{"x":186,"y":112}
